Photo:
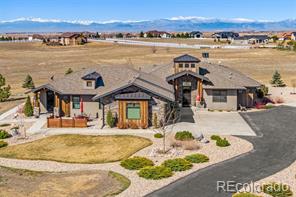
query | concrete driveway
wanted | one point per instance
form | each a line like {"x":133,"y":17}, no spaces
{"x":208,"y":123}
{"x":274,"y":150}
{"x":223,"y":123}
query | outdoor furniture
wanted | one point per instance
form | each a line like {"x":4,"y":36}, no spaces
{"x":242,"y":108}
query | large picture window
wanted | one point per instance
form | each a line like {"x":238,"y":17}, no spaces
{"x":133,"y":111}
{"x":76,"y":102}
{"x":219,"y":96}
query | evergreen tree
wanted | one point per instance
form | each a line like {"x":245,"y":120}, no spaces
{"x":28,"y":108}
{"x":110,"y":119}
{"x":141,"y":34}
{"x":28,"y":83}
{"x":68,"y":71}
{"x":4,"y":90}
{"x":276,"y":80}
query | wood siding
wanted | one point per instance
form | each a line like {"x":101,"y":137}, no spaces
{"x":122,"y":119}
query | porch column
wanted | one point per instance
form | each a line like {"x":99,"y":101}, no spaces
{"x":103,"y":115}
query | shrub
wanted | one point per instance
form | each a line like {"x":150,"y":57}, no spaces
{"x":277,"y":190}
{"x":136,"y":163}
{"x":178,"y":164}
{"x":155,"y":172}
{"x":3,"y":144}
{"x":197,"y":158}
{"x":222,"y":142}
{"x":158,"y":135}
{"x":4,"y":125}
{"x":215,"y":137}
{"x":110,"y":119}
{"x":4,"y":134}
{"x":184,"y":135}
{"x":245,"y":194}
{"x":28,"y":108}
{"x":190,"y":145}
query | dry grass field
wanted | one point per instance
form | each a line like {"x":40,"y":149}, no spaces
{"x":19,"y":59}
{"x":77,"y":148}
{"x":18,"y":183}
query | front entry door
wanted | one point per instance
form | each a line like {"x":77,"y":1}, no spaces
{"x":186,"y":97}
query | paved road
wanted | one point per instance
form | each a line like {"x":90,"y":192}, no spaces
{"x":274,"y":150}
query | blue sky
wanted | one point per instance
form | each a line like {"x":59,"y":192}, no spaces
{"x":147,"y":9}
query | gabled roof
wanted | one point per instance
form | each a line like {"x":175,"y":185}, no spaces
{"x":70,"y":35}
{"x":186,"y":72}
{"x":133,"y":96}
{"x":196,"y":32}
{"x":186,"y":58}
{"x":91,"y":76}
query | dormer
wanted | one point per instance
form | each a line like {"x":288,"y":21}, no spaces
{"x":186,"y":63}
{"x":92,"y":80}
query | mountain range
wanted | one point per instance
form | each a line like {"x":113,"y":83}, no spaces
{"x":172,"y":24}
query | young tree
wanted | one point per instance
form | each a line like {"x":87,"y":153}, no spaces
{"x":4,"y":90}
{"x":28,"y":83}
{"x":141,"y":34}
{"x":276,"y":80}
{"x":119,"y":35}
{"x":28,"y":108}
{"x":68,"y":71}
{"x":110,"y":119}
{"x":170,"y":118}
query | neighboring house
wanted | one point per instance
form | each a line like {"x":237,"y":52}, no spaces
{"x":67,"y":39}
{"x":293,"y":36}
{"x":225,"y":35}
{"x":251,"y":39}
{"x":135,"y":96}
{"x":157,"y":34}
{"x":286,"y":36}
{"x":195,"y":34}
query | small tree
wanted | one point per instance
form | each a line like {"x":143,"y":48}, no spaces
{"x":28,"y":83}
{"x":4,"y":90}
{"x":28,"y":108}
{"x":141,"y":34}
{"x":110,"y":119}
{"x":276,"y":80}
{"x":68,"y":71}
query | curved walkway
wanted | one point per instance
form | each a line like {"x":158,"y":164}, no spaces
{"x":274,"y":150}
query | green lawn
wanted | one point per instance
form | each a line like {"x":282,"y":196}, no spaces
{"x":78,"y":148}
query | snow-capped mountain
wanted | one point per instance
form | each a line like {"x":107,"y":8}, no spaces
{"x":179,"y":23}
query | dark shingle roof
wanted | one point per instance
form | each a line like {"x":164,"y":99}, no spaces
{"x":133,"y":96}
{"x":91,"y":76}
{"x":186,"y":58}
{"x":186,"y":72}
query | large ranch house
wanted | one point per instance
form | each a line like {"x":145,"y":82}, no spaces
{"x":136,"y":96}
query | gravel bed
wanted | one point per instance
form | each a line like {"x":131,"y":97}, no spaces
{"x":139,"y":186}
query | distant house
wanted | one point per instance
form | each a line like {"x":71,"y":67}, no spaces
{"x":293,"y":36}
{"x":196,"y":34}
{"x":251,"y":39}
{"x":286,"y":36}
{"x":72,"y":39}
{"x":225,"y":35}
{"x":157,"y":34}
{"x":37,"y":37}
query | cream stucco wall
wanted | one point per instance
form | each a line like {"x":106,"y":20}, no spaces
{"x":231,"y":103}
{"x":90,"y":108}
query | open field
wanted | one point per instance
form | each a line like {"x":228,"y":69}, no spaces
{"x":42,"y":62}
{"x":77,"y":148}
{"x":15,"y":182}
{"x":5,"y":106}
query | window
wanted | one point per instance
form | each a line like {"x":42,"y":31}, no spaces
{"x":89,"y":84}
{"x":192,"y":65}
{"x":76,"y":102}
{"x":186,"y":65}
{"x":180,"y":65}
{"x":133,"y":111}
{"x":219,"y":96}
